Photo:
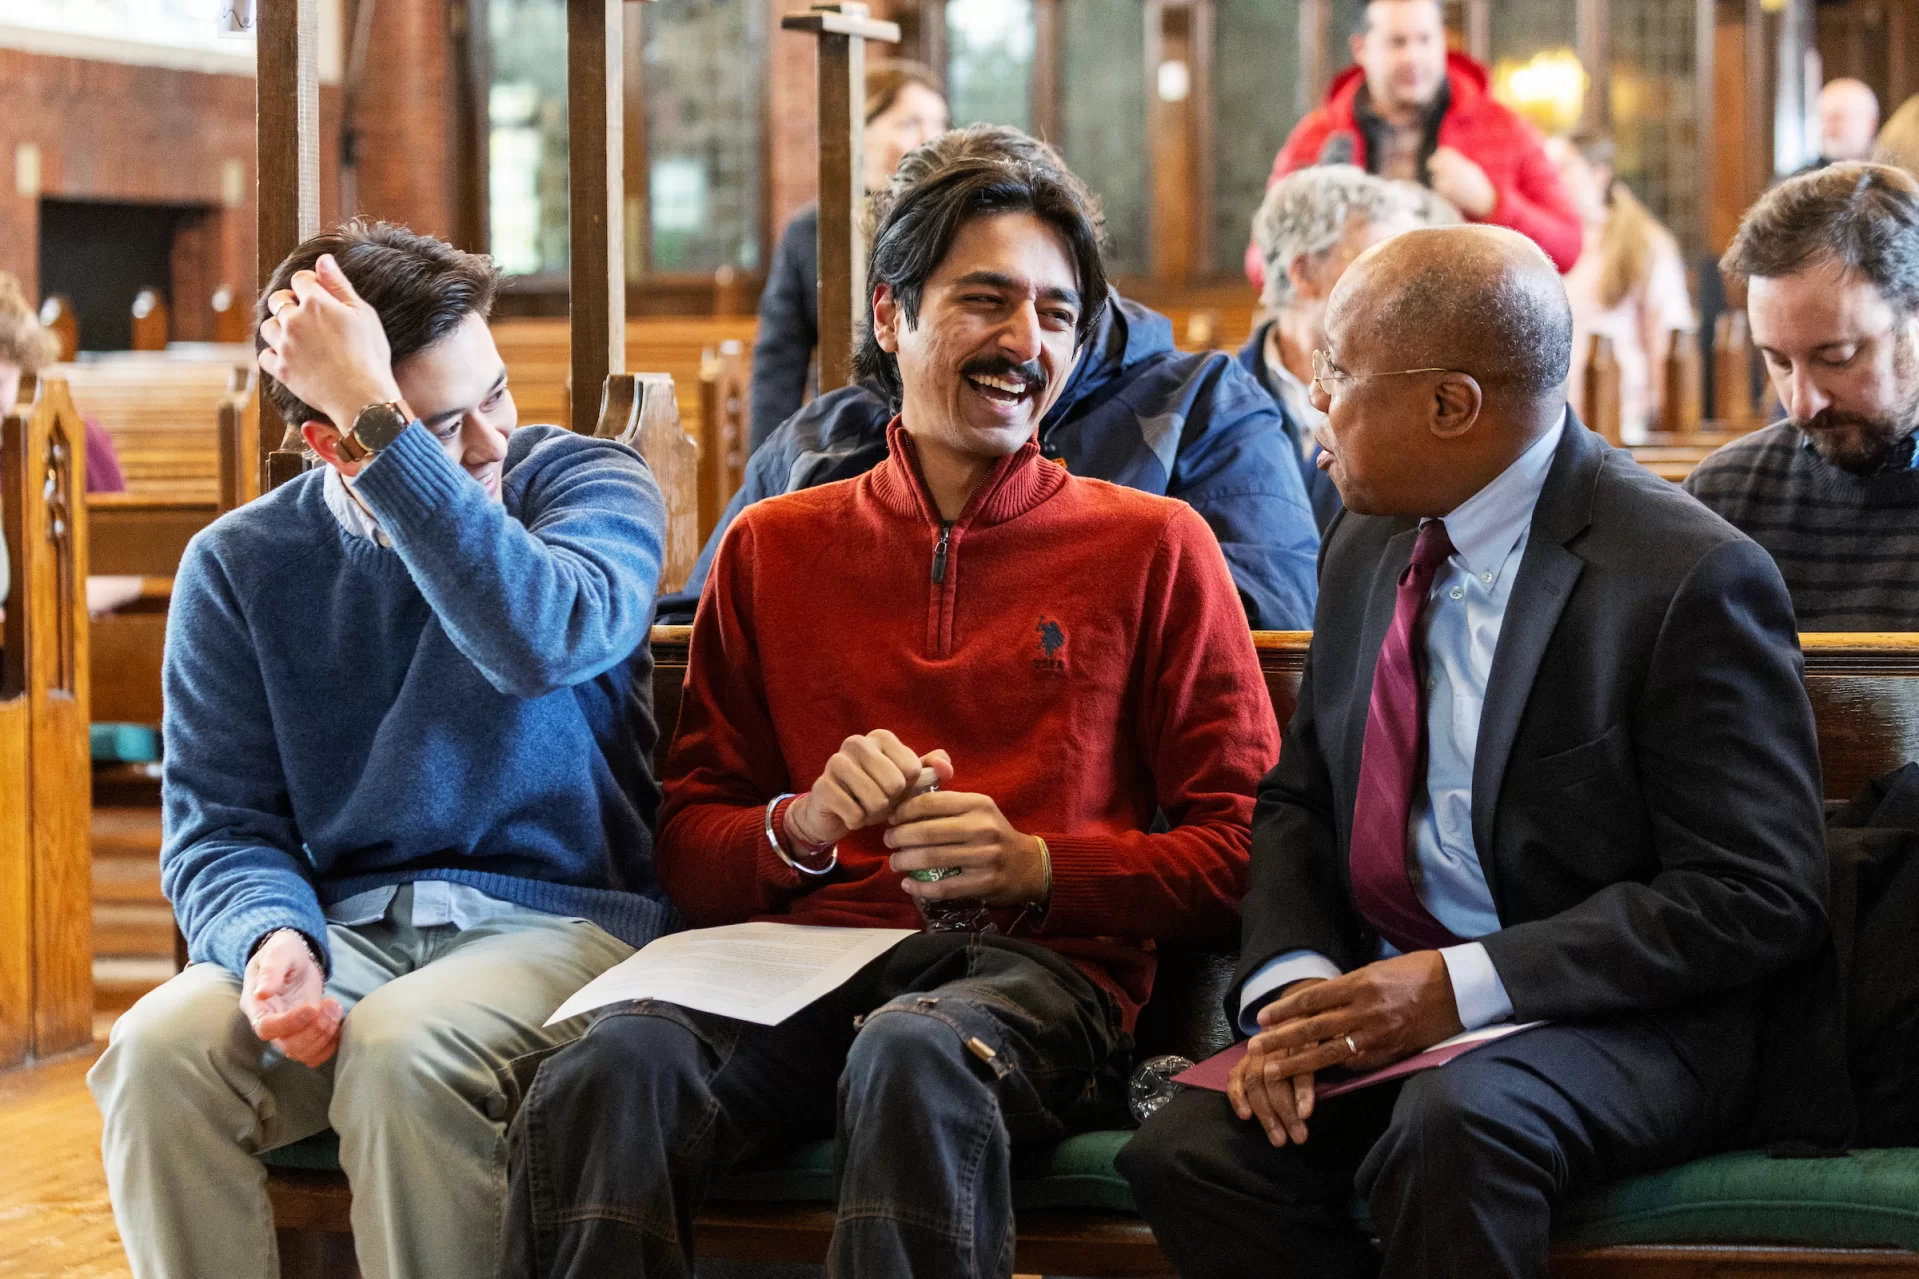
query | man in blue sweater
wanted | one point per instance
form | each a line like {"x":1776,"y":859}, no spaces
{"x":408,"y":793}
{"x":1136,"y":412}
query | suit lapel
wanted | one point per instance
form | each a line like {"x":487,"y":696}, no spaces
{"x":1547,"y":573}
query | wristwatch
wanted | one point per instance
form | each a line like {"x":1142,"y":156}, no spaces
{"x":376,"y":426}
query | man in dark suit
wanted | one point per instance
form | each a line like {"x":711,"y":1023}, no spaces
{"x":1552,"y":760}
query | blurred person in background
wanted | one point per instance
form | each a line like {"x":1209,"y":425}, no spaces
{"x":904,"y":108}
{"x":1848,"y":115}
{"x":1629,"y":284}
{"x":1308,"y":230}
{"x":1410,"y":109}
{"x":1898,"y":142}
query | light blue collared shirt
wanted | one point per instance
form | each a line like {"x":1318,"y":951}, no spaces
{"x":1461,"y":624}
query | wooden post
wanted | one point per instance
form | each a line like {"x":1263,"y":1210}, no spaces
{"x":287,"y":145}
{"x":1732,"y":371}
{"x":1679,"y":399}
{"x":1602,"y":389}
{"x":842,"y":30}
{"x":596,"y":199}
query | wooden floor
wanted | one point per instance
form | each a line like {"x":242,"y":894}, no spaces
{"x":54,"y":1219}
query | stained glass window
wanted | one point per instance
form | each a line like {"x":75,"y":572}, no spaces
{"x":1102,"y":115}
{"x":989,"y":67}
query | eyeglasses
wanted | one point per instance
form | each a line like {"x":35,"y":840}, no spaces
{"x":1329,"y":375}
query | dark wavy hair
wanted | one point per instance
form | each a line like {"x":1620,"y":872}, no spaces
{"x":422,"y":289}
{"x":1864,"y":217}
{"x":916,"y":230}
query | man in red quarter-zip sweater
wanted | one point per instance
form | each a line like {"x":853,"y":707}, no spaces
{"x":1069,"y":657}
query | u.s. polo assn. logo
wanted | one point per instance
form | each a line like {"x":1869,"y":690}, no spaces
{"x":1052,"y":639}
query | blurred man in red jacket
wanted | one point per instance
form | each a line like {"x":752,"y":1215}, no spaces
{"x":1412,"y":110}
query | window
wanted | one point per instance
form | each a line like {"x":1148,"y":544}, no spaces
{"x":989,"y":67}
{"x":699,"y":76}
{"x":702,"y":83}
{"x":1102,"y":115}
{"x":1258,"y":96}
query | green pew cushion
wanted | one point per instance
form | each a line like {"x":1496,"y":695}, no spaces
{"x":124,"y":743}
{"x":1864,"y":1199}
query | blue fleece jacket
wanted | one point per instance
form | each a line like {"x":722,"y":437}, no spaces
{"x":1320,"y":490}
{"x":472,"y":704}
{"x":1137,"y":412}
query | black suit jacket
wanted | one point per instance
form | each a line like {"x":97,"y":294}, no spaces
{"x":1646,"y":789}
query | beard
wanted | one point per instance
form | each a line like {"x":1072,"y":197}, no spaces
{"x":1860,"y":443}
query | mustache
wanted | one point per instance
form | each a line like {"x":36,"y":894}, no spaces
{"x":1030,"y":373}
{"x":1833,"y":419}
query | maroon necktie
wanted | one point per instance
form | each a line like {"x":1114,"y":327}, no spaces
{"x":1389,"y":764}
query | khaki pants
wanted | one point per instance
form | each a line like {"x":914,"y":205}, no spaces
{"x":420,"y":1093}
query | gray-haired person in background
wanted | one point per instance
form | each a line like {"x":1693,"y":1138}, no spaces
{"x":1308,"y":230}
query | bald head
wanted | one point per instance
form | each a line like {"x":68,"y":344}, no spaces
{"x":1479,"y":299}
{"x":1848,"y":119}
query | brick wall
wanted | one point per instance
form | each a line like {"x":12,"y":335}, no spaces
{"x":406,"y":119}
{"x":109,"y":131}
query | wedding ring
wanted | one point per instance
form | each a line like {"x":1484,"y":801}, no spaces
{"x":284,"y":305}
{"x":1352,"y":1048}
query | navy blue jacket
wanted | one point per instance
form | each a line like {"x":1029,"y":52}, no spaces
{"x":1319,"y":485}
{"x":1136,"y":412}
{"x":789,"y":327}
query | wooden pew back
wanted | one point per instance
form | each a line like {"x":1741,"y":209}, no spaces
{"x":538,"y":353}
{"x":46,"y":979}
{"x":159,"y":409}
{"x":1864,"y":689}
{"x":639,"y":410}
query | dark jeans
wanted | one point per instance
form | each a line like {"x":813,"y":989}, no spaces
{"x":1460,"y":1165}
{"x":929,"y":1066}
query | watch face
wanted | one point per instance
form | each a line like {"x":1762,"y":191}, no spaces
{"x":378,"y":426}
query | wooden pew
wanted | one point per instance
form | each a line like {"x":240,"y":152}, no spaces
{"x":1681,"y":388}
{"x":724,"y":435}
{"x":46,"y":979}
{"x":538,"y":354}
{"x":159,"y":409}
{"x":1865,"y":695}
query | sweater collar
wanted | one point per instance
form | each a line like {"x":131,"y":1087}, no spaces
{"x":1016,"y":484}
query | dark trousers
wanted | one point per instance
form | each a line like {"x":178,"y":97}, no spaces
{"x":930,"y":1066}
{"x":1460,"y":1166}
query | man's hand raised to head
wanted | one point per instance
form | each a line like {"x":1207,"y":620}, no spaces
{"x":283,"y":997}
{"x":326,"y":345}
{"x":867,"y":776}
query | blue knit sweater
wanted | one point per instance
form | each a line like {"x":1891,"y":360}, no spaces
{"x":473,"y":704}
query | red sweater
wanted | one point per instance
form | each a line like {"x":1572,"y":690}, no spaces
{"x":1084,"y":660}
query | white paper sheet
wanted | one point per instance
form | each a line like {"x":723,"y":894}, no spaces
{"x":756,"y":972}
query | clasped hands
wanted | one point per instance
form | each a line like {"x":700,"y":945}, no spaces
{"x":283,"y":996}
{"x":867,"y":782}
{"x":1366,"y":1019}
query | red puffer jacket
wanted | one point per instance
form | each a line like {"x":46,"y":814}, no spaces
{"x":1488,"y":133}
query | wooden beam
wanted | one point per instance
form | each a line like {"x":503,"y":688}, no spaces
{"x":842,"y":30}
{"x":287,"y":167}
{"x":596,"y":199}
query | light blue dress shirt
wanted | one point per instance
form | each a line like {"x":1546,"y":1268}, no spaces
{"x":1461,"y":624}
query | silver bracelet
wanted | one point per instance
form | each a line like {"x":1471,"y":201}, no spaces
{"x":773,"y":839}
